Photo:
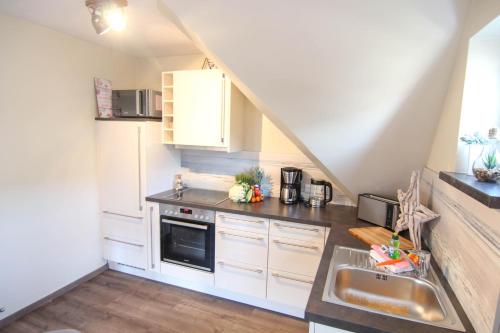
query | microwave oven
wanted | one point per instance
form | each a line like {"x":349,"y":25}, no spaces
{"x":136,"y":103}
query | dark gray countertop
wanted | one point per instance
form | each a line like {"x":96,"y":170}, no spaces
{"x":339,"y":219}
{"x":486,"y":193}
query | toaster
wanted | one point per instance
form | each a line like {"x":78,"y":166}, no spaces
{"x":378,"y":210}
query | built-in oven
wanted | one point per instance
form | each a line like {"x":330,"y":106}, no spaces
{"x":187,"y":236}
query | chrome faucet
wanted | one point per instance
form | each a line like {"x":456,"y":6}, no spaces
{"x":422,"y":268}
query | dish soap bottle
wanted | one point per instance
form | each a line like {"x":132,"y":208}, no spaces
{"x":394,"y":246}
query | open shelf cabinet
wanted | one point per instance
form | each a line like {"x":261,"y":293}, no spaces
{"x":167,"y":84}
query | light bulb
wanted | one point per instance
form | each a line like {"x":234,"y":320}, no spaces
{"x":115,"y":18}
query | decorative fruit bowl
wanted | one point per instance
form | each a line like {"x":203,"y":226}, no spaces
{"x":251,"y":186}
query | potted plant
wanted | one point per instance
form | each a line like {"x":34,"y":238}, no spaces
{"x":473,"y":142}
{"x":486,"y":167}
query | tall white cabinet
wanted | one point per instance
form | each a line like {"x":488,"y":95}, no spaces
{"x":202,"y":109}
{"x":132,"y":163}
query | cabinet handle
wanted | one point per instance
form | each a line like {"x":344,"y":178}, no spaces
{"x":235,"y":235}
{"x":235,"y":218}
{"x":255,"y":270}
{"x":280,"y":276}
{"x":151,"y":235}
{"x":312,"y":247}
{"x":123,"y":215}
{"x":139,"y":165}
{"x":299,"y":228}
{"x":123,"y":242}
{"x":223,"y":109}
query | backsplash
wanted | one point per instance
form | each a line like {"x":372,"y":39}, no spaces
{"x":216,"y":170}
{"x":465,"y":242}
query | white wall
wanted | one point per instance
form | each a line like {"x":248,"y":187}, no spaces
{"x":264,"y":144}
{"x":358,"y":85}
{"x":49,"y":230}
{"x":443,"y":154}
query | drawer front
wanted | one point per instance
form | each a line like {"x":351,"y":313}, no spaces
{"x":297,"y":231}
{"x":187,"y":274}
{"x":124,"y":252}
{"x":241,"y":278}
{"x":295,"y":256}
{"x":241,"y":246}
{"x":288,"y":288}
{"x":242,"y":222}
{"x":124,"y":228}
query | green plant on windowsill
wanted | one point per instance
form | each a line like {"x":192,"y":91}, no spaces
{"x":490,"y":161}
{"x":486,"y":168}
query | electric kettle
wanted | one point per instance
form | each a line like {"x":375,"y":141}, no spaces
{"x":320,"y":193}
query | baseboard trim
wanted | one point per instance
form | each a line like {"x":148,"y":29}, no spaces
{"x":24,"y":311}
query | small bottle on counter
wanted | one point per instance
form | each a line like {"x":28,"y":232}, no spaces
{"x":394,"y":246}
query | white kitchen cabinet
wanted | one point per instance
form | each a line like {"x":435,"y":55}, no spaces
{"x":295,"y":251}
{"x":132,"y":163}
{"x":241,"y":278}
{"x":295,"y":256}
{"x":320,"y":328}
{"x":124,"y":252}
{"x":236,"y":245}
{"x":242,"y":222}
{"x":289,"y":288}
{"x":300,"y":231}
{"x":202,"y":109}
{"x":153,"y":236}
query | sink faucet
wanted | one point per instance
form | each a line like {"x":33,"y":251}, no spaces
{"x":421,"y":270}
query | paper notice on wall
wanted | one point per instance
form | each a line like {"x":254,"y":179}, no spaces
{"x":103,"y":91}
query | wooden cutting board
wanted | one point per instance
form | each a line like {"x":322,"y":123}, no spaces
{"x":379,"y":235}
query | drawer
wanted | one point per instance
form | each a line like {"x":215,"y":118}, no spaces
{"x":124,"y":228}
{"x":187,"y":274}
{"x":125,"y":252}
{"x":240,"y":278}
{"x":297,"y":230}
{"x":295,"y":256}
{"x":242,"y":222}
{"x":288,"y":288}
{"x":241,"y":246}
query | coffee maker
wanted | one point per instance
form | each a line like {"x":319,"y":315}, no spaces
{"x":290,"y":185}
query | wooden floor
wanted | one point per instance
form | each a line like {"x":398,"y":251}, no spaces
{"x":117,"y":302}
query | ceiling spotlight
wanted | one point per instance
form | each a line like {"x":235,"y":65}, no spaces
{"x":107,"y":14}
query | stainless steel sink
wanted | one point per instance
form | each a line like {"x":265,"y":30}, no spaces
{"x":353,"y":280}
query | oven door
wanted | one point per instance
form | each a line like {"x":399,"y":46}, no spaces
{"x":188,"y":243}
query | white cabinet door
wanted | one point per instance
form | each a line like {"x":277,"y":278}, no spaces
{"x":319,"y":328}
{"x":124,"y":252}
{"x":153,"y":227}
{"x":242,"y":222}
{"x":199,"y":115}
{"x":119,"y":162}
{"x":297,"y":231}
{"x":240,"y":278}
{"x":288,"y":288}
{"x":241,"y":246}
{"x":295,"y":256}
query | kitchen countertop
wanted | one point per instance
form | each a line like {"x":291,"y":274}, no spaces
{"x":272,"y":208}
{"x":339,"y":219}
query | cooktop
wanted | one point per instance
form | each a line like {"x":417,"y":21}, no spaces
{"x":199,"y":196}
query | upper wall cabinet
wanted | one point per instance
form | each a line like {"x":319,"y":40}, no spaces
{"x":202,"y":109}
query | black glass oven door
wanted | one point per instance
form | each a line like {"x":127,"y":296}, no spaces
{"x":188,"y":243}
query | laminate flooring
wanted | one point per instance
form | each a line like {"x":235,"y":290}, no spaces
{"x":115,"y":302}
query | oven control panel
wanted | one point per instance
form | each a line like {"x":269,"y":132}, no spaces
{"x":189,"y":213}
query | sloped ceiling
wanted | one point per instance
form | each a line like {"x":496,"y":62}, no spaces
{"x":357,"y":84}
{"x":148,"y":33}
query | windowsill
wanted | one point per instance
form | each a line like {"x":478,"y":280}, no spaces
{"x":486,"y":193}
